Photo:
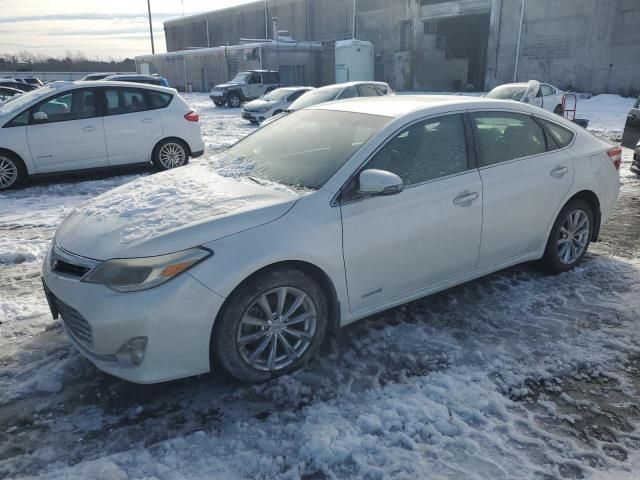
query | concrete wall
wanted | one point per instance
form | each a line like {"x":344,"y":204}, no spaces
{"x":588,"y":45}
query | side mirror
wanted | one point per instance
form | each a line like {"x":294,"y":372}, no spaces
{"x":380,"y":182}
{"x":40,"y":116}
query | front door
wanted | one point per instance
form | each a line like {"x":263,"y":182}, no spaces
{"x":426,"y":234}
{"x":255,"y":87}
{"x":525,"y":177}
{"x":131,"y":128}
{"x":632,"y":128}
{"x":64,"y":132}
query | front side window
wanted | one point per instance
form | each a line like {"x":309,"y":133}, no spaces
{"x":425,"y":151}
{"x":382,"y":91}
{"x":303,"y":149}
{"x":546,"y":90}
{"x":73,"y":105}
{"x":349,"y":92}
{"x":504,"y":136}
{"x":124,"y":100}
{"x":255,"y":79}
{"x":295,"y":95}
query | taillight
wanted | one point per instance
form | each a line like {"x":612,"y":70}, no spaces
{"x":615,"y":154}
{"x":192,"y":116}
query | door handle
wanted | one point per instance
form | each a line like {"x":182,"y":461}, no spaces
{"x":147,"y":120}
{"x":90,"y":128}
{"x":559,"y":172}
{"x":466,"y":199}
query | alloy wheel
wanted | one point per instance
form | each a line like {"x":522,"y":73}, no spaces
{"x":8,"y":172}
{"x":172,"y":155}
{"x":276,"y":329}
{"x":573,"y":236}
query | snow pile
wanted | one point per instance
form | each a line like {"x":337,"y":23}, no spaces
{"x":607,"y":114}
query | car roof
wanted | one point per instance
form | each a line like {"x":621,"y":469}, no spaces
{"x":61,"y":85}
{"x":351,"y":84}
{"x":397,"y":106}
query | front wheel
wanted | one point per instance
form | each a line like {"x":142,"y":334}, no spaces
{"x":271,"y":325}
{"x":570,"y":237}
{"x":170,"y":153}
{"x":234,"y":100}
{"x":12,"y":171}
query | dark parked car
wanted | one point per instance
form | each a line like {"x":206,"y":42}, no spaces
{"x":7,"y":92}
{"x":632,"y":127}
{"x":98,"y":76}
{"x":150,"y":79}
{"x":24,"y":87}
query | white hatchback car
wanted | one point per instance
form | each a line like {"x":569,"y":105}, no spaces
{"x":273,"y":103}
{"x":324,"y":217}
{"x":533,"y":92}
{"x":71,"y":126}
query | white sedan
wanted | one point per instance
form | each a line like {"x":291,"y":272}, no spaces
{"x":533,"y":92}
{"x":71,"y":126}
{"x":273,"y":103}
{"x":331,"y":214}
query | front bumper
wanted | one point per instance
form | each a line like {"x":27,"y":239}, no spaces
{"x":254,"y":116}
{"x":219,"y":98}
{"x":176,"y":318}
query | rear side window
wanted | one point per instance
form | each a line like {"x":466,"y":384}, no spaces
{"x":159,"y":99}
{"x":124,"y":100}
{"x":367,"y":91}
{"x":562,"y":136}
{"x":425,"y":151}
{"x":504,"y":136}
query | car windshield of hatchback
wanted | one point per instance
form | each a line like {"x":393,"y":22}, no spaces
{"x":315,"y":97}
{"x":24,"y":99}
{"x":277,"y":95}
{"x":302,"y":150}
{"x":507,"y":92}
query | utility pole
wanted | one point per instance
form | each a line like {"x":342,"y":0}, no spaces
{"x":153,"y":48}
{"x":515,"y":69}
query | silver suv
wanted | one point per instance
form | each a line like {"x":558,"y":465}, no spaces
{"x":245,"y":86}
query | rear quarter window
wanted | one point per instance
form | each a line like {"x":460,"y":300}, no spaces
{"x":562,"y":136}
{"x":158,"y":100}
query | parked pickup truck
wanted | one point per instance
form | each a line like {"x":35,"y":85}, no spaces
{"x":244,"y":87}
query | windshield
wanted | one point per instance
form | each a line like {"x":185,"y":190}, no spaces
{"x":315,"y":97}
{"x":301,"y":150}
{"x":240,"y":78}
{"x":277,"y":95}
{"x":507,"y":92}
{"x":24,"y":99}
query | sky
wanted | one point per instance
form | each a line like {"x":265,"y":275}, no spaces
{"x":108,"y":29}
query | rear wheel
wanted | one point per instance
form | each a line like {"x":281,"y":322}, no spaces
{"x":12,"y":171}
{"x":570,"y":237}
{"x":170,"y":153}
{"x":270,"y":326}
{"x":234,"y":100}
{"x":559,"y":110}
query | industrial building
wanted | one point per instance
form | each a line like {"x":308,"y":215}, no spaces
{"x":588,"y":45}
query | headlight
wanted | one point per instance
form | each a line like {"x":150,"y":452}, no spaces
{"x":133,"y":274}
{"x":261,"y":110}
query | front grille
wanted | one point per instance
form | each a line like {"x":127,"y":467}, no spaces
{"x":74,"y":322}
{"x":67,"y":268}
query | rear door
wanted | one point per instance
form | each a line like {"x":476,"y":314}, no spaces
{"x":131,"y":127}
{"x":632,"y":127}
{"x":525,"y":177}
{"x":72,"y":135}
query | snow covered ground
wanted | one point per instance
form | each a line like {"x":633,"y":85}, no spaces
{"x":516,"y":375}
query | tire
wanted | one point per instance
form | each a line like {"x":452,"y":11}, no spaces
{"x":234,"y":100}
{"x":252,"y":360}
{"x":170,"y":153}
{"x":12,"y":171}
{"x":218,"y":103}
{"x":559,"y":110}
{"x":563,"y":253}
{"x":254,"y":122}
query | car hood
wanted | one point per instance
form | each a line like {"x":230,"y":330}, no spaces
{"x":226,"y":85}
{"x":259,"y":103}
{"x":169,"y":212}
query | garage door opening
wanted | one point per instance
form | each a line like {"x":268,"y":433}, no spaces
{"x":465,"y":37}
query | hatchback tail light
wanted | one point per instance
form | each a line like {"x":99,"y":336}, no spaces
{"x":192,"y":116}
{"x":615,"y":154}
